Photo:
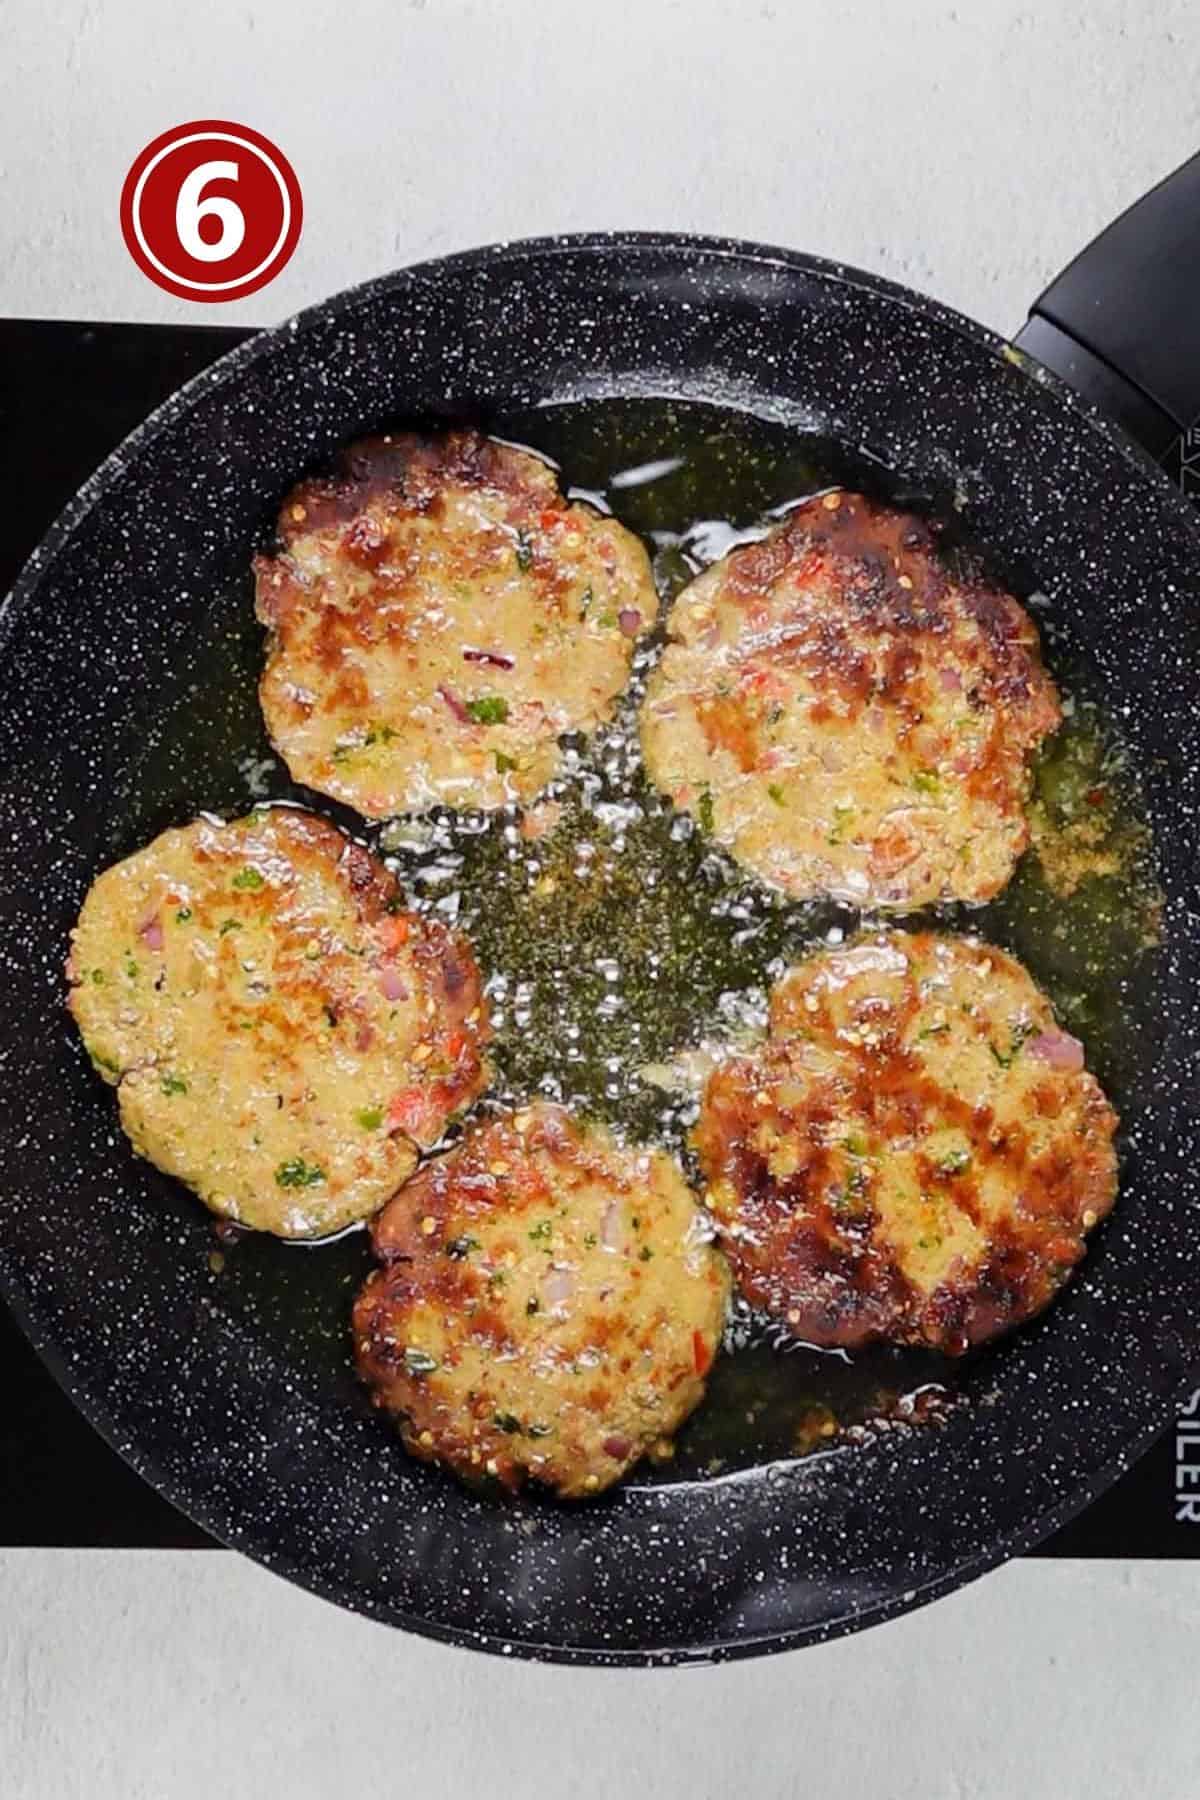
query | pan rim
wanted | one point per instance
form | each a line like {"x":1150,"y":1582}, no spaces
{"x":661,"y":1656}
{"x":725,"y":249}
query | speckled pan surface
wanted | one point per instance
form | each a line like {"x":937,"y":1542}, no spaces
{"x":107,"y":1264}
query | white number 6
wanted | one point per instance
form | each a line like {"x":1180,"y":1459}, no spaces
{"x":190,"y":209}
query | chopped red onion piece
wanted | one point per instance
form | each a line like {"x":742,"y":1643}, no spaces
{"x":391,"y":986}
{"x":558,"y":1287}
{"x":455,"y":704}
{"x":496,"y":658}
{"x":1059,"y":1049}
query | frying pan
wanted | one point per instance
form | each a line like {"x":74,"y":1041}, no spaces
{"x":250,"y":1422}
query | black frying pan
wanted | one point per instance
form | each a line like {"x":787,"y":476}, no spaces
{"x":234,"y":1396}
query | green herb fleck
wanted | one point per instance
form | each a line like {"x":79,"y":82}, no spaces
{"x":249,"y":879}
{"x":532,"y":1305}
{"x":1020,"y":1032}
{"x":928,"y":1031}
{"x":645,"y":1253}
{"x":590,"y":1240}
{"x":842,"y":816}
{"x":856,"y":1144}
{"x":98,"y":977}
{"x":585,"y":600}
{"x":229,"y":925}
{"x":524,"y":552}
{"x":704,"y":810}
{"x":541,"y":1231}
{"x":776,"y":793}
{"x":848,"y":1199}
{"x":504,"y":764}
{"x":506,"y":1422}
{"x":296,"y":1173}
{"x":458,"y":1247}
{"x":926,"y":782}
{"x":489,"y":709}
{"x":955,"y":1162}
{"x":419,"y":1362}
{"x":174,"y":1084}
{"x":183,"y":915}
{"x":370,"y":1117}
{"x":131,"y":968}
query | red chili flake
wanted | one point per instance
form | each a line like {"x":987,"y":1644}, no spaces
{"x":408,"y":1110}
{"x":548,"y":520}
{"x":809,"y":565}
{"x":701,"y":1353}
{"x":393,"y":931}
{"x":1096,"y":796}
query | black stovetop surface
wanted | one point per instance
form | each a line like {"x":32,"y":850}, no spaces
{"x":68,"y":394}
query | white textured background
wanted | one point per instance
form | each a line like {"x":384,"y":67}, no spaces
{"x":965,"y":149}
{"x":149,"y":1676}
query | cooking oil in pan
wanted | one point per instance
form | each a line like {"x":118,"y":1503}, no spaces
{"x":621,"y":949}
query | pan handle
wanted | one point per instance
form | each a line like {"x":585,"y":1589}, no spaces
{"x":1121,"y":324}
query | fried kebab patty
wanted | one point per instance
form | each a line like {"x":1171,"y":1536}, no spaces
{"x":281,"y":1036}
{"x":849,"y":717}
{"x":439,"y":615}
{"x":549,"y":1306}
{"x":916,"y":1152}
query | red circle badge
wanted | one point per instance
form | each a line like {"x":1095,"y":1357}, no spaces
{"x":211,"y":211}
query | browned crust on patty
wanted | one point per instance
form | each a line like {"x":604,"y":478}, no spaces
{"x":850,"y":716}
{"x":410,"y":470}
{"x":549,"y":1305}
{"x":913,"y":1155}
